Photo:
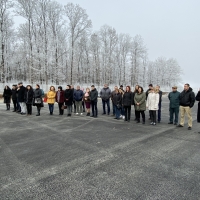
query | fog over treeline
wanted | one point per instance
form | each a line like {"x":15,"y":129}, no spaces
{"x":57,"y":45}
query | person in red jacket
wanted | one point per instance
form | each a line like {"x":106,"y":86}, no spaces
{"x":60,"y":99}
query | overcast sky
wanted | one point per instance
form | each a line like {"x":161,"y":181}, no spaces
{"x":170,"y":28}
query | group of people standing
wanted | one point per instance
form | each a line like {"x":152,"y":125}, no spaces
{"x":122,"y":100}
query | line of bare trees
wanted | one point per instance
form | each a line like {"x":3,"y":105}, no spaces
{"x":55,"y":44}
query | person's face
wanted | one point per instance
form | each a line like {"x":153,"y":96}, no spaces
{"x":116,"y":88}
{"x":58,"y":89}
{"x":28,"y":87}
{"x":186,"y":87}
{"x":139,"y":90}
{"x":13,"y":87}
{"x":78,"y":88}
{"x":36,"y":87}
{"x":105,"y":86}
{"x":157,"y":88}
{"x":127,"y":89}
{"x":52,"y":88}
{"x":72,"y":86}
{"x":67,"y":87}
{"x":87,"y":90}
{"x":92,"y":88}
{"x":174,"y":89}
{"x":136,"y":87}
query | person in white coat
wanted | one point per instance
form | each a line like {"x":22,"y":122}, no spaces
{"x":152,"y":104}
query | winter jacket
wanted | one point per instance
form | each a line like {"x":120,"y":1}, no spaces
{"x":14,"y":94}
{"x":198,"y":111}
{"x":7,"y":95}
{"x":117,"y":99}
{"x":112,"y":93}
{"x":51,"y":97}
{"x":147,"y":93}
{"x":78,"y":95}
{"x":21,"y":93}
{"x":141,"y":99}
{"x":187,"y":98}
{"x":174,"y":100}
{"x":160,"y":96}
{"x":94,"y":95}
{"x":105,"y":93}
{"x":198,"y":96}
{"x":152,"y":101}
{"x":86,"y":98}
{"x":62,"y":97}
{"x":68,"y":97}
{"x":127,"y":99}
{"x":37,"y":93}
{"x":28,"y":97}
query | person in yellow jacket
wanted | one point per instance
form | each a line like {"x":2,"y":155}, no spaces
{"x":51,"y":98}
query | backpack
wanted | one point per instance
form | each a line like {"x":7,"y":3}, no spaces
{"x":42,"y":91}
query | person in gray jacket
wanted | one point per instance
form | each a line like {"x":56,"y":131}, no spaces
{"x":105,"y":95}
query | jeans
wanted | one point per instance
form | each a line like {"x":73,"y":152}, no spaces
{"x":51,"y":108}
{"x":79,"y":107}
{"x":117,"y":112}
{"x":23,"y":107}
{"x":122,"y":111}
{"x":159,"y":111}
{"x":69,"y":109}
{"x":106,"y":102}
{"x":94,"y":108}
{"x":174,"y":111}
{"x":15,"y":104}
{"x":153,"y":116}
{"x":127,"y":112}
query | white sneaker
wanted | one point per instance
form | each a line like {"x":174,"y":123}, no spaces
{"x":123,"y":117}
{"x":120,"y":116}
{"x":81,"y":113}
{"x":76,"y":113}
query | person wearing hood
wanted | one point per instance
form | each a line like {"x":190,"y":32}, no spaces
{"x":174,"y":102}
{"x":187,"y":100}
{"x":105,"y":95}
{"x":60,"y":99}
{"x":7,"y":96}
{"x":93,"y":100}
{"x":198,"y":111}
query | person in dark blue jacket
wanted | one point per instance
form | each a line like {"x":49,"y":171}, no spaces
{"x":78,"y":97}
{"x":174,"y":102}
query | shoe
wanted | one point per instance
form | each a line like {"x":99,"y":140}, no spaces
{"x":92,"y":116}
{"x":149,"y":118}
{"x":151,"y":123}
{"x":179,"y":125}
{"x":83,"y":110}
{"x":189,"y":128}
{"x":81,"y":113}
{"x":120,"y":116}
{"x":137,"y":122}
{"x":175,"y":123}
{"x":23,"y":113}
{"x":123,"y":117}
{"x":14,"y":110}
{"x":170,"y":122}
{"x":128,"y":120}
{"x":125,"y":120}
{"x":103,"y":113}
{"x":76,"y":113}
{"x":108,"y":113}
{"x":115,"y":118}
{"x":154,"y":123}
{"x":143,"y":122}
{"x":38,"y":114}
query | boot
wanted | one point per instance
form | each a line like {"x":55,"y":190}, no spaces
{"x":143,"y":121}
{"x":138,"y":121}
{"x":8,"y":106}
{"x":38,"y":114}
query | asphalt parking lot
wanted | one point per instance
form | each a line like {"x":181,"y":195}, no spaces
{"x":58,"y":157}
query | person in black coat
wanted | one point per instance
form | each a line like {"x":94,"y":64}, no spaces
{"x":198,"y":111}
{"x":127,"y":101}
{"x":93,"y":100}
{"x":187,"y":100}
{"x":29,"y":99}
{"x":21,"y":95}
{"x":68,"y":96}
{"x":14,"y":97}
{"x":117,"y":102}
{"x":37,"y":100}
{"x":7,"y":96}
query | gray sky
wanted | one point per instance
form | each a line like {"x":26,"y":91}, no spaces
{"x":170,"y":28}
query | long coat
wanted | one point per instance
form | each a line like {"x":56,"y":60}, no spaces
{"x":127,"y":99}
{"x":62,"y":97}
{"x":29,"y":94}
{"x":7,"y":95}
{"x":21,"y":93}
{"x":198,"y":111}
{"x":152,"y":101}
{"x":68,"y":97}
{"x":174,"y":99}
{"x":141,"y":99}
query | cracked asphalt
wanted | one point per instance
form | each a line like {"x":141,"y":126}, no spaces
{"x":58,"y":157}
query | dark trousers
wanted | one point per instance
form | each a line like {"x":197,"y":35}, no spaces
{"x":38,"y":108}
{"x":138,"y":115}
{"x":74,"y":106}
{"x":94,"y":108}
{"x":61,"y":111}
{"x":113,"y":108}
{"x":51,"y":108}
{"x":127,"y":112}
{"x":153,"y":115}
{"x":174,"y":111}
{"x":106,"y":102}
{"x":15,"y":104}
{"x":18,"y":106}
{"x":29,"y":108}
{"x":198,"y":113}
{"x":83,"y":104}
{"x":159,"y":112}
